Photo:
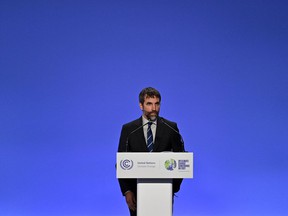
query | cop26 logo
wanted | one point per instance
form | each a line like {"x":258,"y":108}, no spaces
{"x":170,"y":164}
{"x":126,"y":164}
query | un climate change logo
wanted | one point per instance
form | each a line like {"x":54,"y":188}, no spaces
{"x":126,"y":164}
{"x":170,"y":164}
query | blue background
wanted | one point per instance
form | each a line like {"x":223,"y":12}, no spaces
{"x":70,"y":75}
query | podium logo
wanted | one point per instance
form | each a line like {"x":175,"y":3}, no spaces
{"x":183,"y":164}
{"x":170,"y":164}
{"x":126,"y":164}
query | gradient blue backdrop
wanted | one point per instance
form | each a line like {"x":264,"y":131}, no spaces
{"x":70,"y":74}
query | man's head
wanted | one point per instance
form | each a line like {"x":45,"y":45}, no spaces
{"x":149,"y":102}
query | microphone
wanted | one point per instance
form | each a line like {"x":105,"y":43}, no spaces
{"x":138,"y":128}
{"x":181,"y":139}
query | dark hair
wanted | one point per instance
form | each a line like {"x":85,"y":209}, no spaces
{"x":149,"y":92}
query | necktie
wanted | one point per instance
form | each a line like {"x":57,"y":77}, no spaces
{"x":149,"y":138}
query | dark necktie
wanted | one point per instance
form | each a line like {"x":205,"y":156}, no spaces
{"x":149,"y":138}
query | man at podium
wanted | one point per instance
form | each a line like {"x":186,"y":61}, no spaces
{"x":149,"y":133}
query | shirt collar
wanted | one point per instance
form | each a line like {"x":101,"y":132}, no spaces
{"x":145,"y":121}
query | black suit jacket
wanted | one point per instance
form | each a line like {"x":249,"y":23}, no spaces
{"x":166,"y":140}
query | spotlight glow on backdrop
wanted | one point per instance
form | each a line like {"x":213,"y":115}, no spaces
{"x":70,"y":74}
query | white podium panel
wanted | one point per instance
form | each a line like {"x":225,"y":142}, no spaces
{"x":155,"y":197}
{"x":155,"y":165}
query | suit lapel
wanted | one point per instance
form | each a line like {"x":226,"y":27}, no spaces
{"x":141,"y":141}
{"x":159,"y":134}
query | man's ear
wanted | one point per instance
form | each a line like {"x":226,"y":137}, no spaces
{"x":141,"y":106}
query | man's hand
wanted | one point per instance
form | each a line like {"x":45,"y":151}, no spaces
{"x":131,"y":200}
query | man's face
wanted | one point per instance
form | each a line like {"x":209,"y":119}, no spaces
{"x":150,"y":107}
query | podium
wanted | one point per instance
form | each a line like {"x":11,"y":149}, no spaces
{"x":154,"y":173}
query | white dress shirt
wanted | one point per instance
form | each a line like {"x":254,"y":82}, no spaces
{"x":153,"y":128}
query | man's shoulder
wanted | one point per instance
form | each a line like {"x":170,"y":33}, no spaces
{"x":168,"y":121}
{"x":135,"y":122}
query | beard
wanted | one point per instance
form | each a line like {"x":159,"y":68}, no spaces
{"x":152,"y":116}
